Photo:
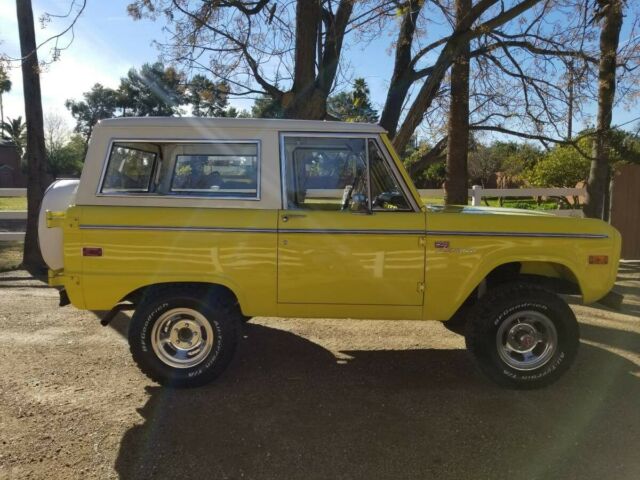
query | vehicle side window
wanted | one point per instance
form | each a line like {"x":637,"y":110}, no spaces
{"x":324,"y":173}
{"x":129,"y":170}
{"x":386,"y":193}
{"x":217,"y":170}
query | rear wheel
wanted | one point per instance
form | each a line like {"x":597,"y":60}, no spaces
{"x":522,"y":336}
{"x":184,"y":337}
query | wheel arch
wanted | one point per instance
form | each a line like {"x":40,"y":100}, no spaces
{"x":554,"y":275}
{"x":139,"y":293}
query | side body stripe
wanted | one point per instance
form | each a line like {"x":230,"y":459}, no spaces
{"x":443,"y":233}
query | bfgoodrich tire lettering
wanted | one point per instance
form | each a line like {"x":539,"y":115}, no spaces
{"x":522,"y":336}
{"x":200,"y":320}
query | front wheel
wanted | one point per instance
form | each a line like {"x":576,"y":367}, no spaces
{"x":182,"y":336}
{"x":522,"y":336}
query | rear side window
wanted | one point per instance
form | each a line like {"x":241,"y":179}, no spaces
{"x":217,"y":169}
{"x":130,"y":169}
{"x":228,"y":170}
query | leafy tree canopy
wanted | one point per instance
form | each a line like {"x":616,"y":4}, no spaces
{"x":15,"y":130}
{"x":483,"y":164}
{"x":563,"y":166}
{"x":5,"y":82}
{"x":207,"y":98}
{"x":5,"y":87}
{"x":98,"y":103}
{"x":153,"y":90}
{"x":67,"y":160}
{"x":266,"y":107}
{"x":355,"y":105}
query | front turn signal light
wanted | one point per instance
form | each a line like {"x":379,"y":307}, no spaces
{"x":598,"y":259}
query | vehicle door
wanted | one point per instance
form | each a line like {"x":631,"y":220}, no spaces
{"x":349,"y":232}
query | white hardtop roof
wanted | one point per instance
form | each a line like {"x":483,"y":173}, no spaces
{"x":252,"y":123}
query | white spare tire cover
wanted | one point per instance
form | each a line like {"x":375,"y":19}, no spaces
{"x":57,"y":198}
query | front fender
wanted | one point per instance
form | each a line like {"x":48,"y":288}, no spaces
{"x":453,"y":273}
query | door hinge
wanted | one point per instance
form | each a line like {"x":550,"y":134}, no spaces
{"x":420,"y":287}
{"x":422,"y":241}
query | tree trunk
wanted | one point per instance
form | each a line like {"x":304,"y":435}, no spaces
{"x":424,"y":98}
{"x":38,"y":179}
{"x":304,"y":101}
{"x":309,"y":104}
{"x":329,"y":53}
{"x":458,"y":128}
{"x":606,"y":211}
{"x":571,"y":101}
{"x":403,"y":74}
{"x":310,"y":91}
{"x":461,"y":37}
{"x":429,"y":158}
{"x":599,"y":173}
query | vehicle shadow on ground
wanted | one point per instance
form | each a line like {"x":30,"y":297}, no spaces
{"x":286,"y":408}
{"x":627,"y":284}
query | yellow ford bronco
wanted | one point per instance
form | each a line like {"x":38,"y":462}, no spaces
{"x":200,"y":224}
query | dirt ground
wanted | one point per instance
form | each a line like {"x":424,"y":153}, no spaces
{"x":311,"y":399}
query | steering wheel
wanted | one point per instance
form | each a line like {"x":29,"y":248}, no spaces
{"x":348,"y":190}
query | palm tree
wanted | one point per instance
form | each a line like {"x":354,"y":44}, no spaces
{"x":5,"y":87}
{"x":15,"y":130}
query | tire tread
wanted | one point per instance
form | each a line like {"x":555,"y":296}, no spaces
{"x":216,"y":299}
{"x":480,"y":320}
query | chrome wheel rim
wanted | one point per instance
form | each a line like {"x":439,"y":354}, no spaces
{"x":527,"y":340}
{"x":182,"y":338}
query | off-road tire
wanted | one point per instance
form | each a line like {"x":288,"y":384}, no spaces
{"x":497,"y":306}
{"x":217,"y":306}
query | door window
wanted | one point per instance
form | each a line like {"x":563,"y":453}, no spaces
{"x":326,"y":173}
{"x":386,"y":193}
{"x":340,"y":174}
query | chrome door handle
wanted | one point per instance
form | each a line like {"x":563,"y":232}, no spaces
{"x":285,"y":218}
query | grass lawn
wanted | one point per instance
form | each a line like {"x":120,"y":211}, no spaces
{"x":10,"y":255}
{"x":522,"y":203}
{"x":13,"y":203}
{"x":433,"y":200}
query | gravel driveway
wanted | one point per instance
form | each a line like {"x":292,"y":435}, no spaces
{"x":310,"y":399}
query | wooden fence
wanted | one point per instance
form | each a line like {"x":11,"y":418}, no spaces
{"x":477,"y":193}
{"x":12,"y":214}
{"x":625,"y":209}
